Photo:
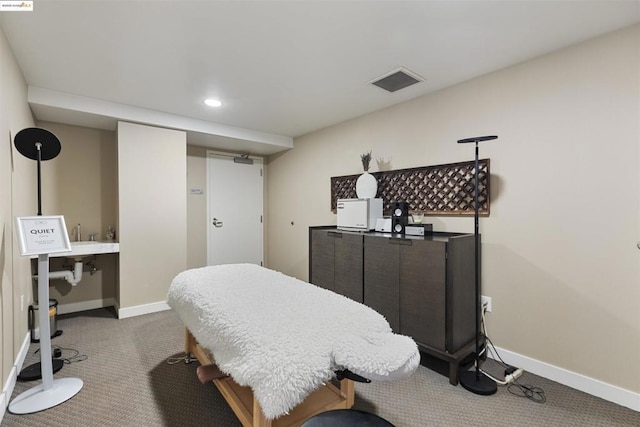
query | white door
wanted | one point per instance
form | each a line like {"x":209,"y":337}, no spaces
{"x":234,"y":199}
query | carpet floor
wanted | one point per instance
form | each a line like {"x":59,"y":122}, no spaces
{"x":129,"y":382}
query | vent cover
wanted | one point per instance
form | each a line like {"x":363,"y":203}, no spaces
{"x":396,"y":80}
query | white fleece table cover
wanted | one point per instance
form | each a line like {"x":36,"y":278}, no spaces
{"x":283,"y":337}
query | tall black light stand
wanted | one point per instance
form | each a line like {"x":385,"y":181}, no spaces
{"x":475,"y":381}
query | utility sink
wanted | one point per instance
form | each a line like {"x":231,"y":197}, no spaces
{"x":91,"y":248}
{"x":85,"y":248}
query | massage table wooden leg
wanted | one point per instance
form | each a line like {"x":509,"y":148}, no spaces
{"x":258,"y":417}
{"x":347,"y":390}
{"x":251,"y":415}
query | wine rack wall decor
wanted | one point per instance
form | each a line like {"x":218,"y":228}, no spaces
{"x":432,"y":190}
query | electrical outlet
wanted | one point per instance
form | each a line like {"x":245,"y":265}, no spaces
{"x":21,"y":302}
{"x":486,"y":301}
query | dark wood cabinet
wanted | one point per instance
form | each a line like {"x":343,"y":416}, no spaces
{"x":337,"y":261}
{"x":382,"y":279}
{"x":423,"y":286}
{"x":423,"y":302}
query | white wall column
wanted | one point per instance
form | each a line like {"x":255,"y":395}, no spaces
{"x":152,"y":213}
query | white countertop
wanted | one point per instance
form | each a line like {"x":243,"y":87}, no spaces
{"x":85,"y":248}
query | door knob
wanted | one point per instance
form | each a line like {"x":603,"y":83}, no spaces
{"x":217,"y":223}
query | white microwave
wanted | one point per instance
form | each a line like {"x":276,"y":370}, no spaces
{"x":358,"y":214}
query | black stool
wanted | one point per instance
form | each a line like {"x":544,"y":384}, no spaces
{"x":346,"y":418}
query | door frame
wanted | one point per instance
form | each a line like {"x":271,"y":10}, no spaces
{"x":209,"y":195}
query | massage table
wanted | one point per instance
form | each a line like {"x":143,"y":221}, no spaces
{"x":290,"y":349}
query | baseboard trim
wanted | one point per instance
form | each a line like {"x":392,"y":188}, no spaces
{"x":75,"y":307}
{"x":22,"y":354}
{"x":139,"y":310}
{"x":574,"y":380}
{"x":7,"y":391}
{"x":5,"y":396}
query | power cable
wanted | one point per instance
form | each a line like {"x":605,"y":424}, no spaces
{"x":535,"y":394}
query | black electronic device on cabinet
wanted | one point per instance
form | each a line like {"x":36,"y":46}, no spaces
{"x":399,"y":217}
{"x":419,"y":230}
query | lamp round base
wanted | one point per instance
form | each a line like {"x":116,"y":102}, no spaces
{"x":34,"y":372}
{"x":478,"y":384}
{"x":38,"y":399}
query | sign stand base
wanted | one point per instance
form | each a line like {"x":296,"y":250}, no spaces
{"x":38,"y":399}
{"x":51,"y":392}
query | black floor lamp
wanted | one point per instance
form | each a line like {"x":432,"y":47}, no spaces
{"x":475,"y":381}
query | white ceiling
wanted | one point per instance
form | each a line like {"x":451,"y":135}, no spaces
{"x":281,"y":68}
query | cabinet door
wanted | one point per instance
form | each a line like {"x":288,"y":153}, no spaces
{"x":461,"y":292}
{"x":423,"y":292}
{"x":381,"y":278}
{"x":348,"y":276}
{"x":322,"y":265}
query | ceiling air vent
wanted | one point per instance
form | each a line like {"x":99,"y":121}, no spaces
{"x":397,"y":79}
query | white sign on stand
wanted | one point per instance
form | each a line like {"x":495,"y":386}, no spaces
{"x":42,"y":235}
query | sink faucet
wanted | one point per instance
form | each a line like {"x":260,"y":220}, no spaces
{"x":78,"y":233}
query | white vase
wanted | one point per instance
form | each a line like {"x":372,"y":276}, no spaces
{"x":366,"y":186}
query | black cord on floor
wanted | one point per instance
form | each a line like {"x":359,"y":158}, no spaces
{"x":535,"y":394}
{"x":532,"y":393}
{"x":75,"y":356}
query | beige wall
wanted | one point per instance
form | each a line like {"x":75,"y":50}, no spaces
{"x":196,"y":207}
{"x":152,"y":212}
{"x":17,"y":198}
{"x":81,"y":184}
{"x":559,"y":249}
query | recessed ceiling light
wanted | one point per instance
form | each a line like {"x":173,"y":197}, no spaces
{"x":213,"y":102}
